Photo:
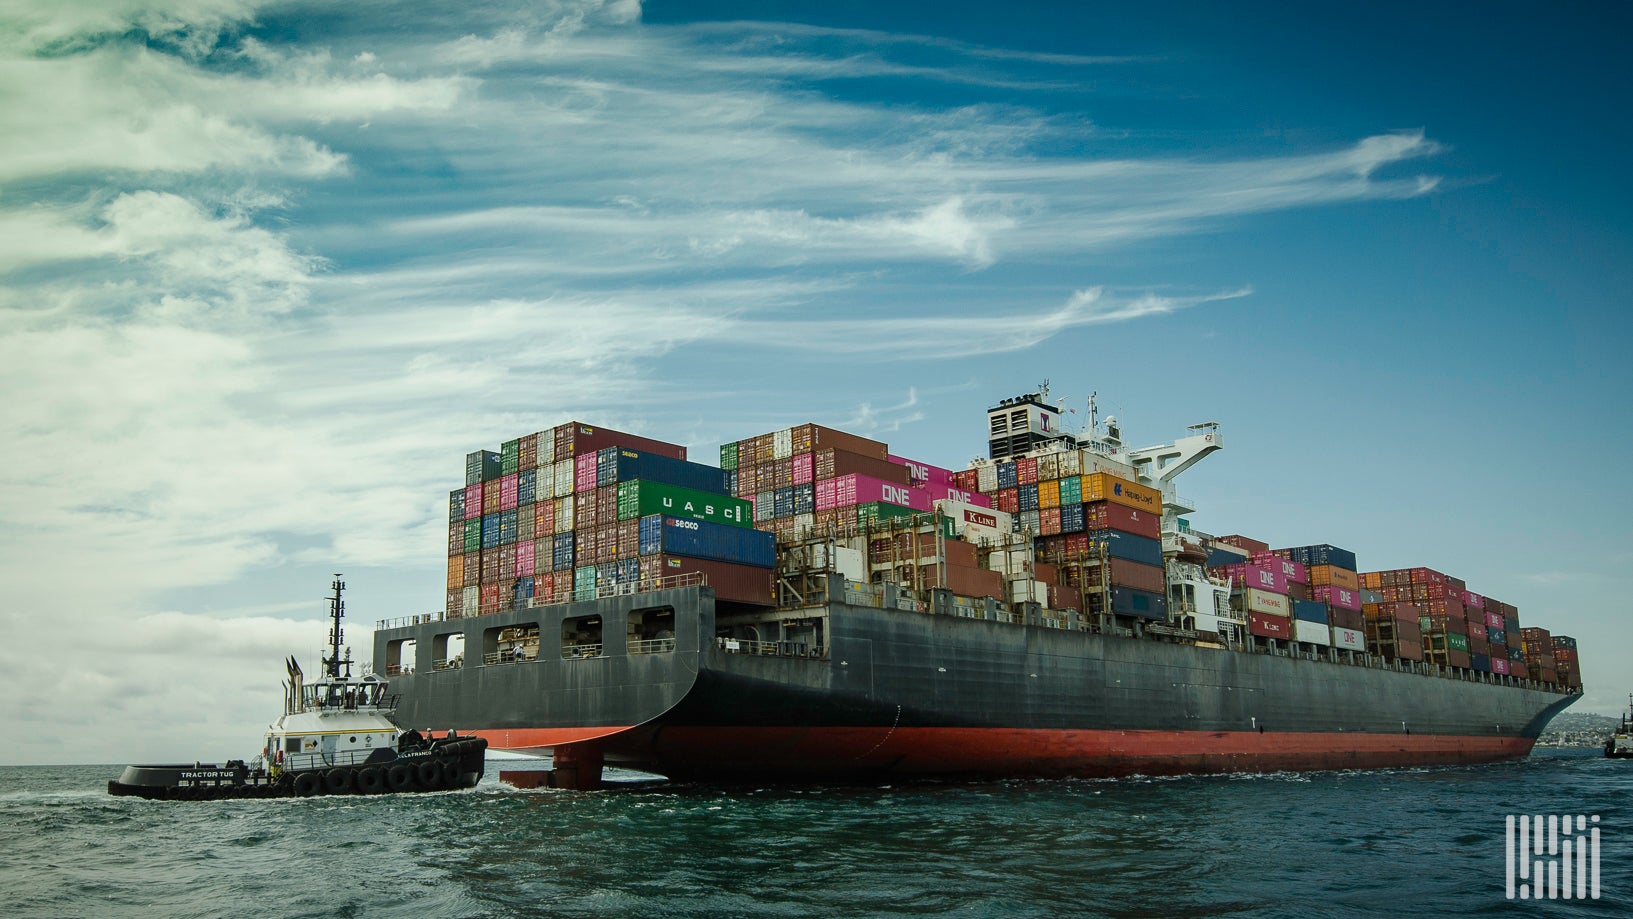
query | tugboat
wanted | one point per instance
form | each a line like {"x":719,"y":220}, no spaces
{"x":1620,"y":744}
{"x":336,"y":737}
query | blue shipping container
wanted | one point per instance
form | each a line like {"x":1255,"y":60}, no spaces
{"x":1481,"y":662}
{"x":1008,"y":477}
{"x":1140,"y":603}
{"x":713,"y":541}
{"x":731,"y":483}
{"x":783,"y":502}
{"x":1310,"y":611}
{"x":1324,"y":555}
{"x":527,"y":486}
{"x":804,"y":499}
{"x":625,"y":465}
{"x":1071,"y":518}
{"x":1029,"y":497}
{"x":561,"y":552}
{"x":456,"y":506}
{"x":1127,"y":546}
{"x":507,"y":527}
{"x":490,"y":531}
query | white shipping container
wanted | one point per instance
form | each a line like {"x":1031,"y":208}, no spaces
{"x":547,"y":449}
{"x":1315,"y":633}
{"x":1093,"y":462}
{"x":782,"y":444}
{"x":804,"y":523}
{"x":1348,"y":639}
{"x":564,"y":514}
{"x":1263,"y":601}
{"x":471,"y":601}
{"x":976,"y":523}
{"x":1070,"y":463}
{"x":1048,"y":467}
{"x":986,"y":478}
{"x":1010,"y":563}
{"x":1029,"y":591}
{"x":561,"y":482}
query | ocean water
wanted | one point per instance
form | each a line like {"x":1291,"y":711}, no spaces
{"x":1376,"y":843}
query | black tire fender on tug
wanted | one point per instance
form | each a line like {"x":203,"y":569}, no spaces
{"x":308,"y":784}
{"x":370,"y":781}
{"x":400,"y":777}
{"x":337,"y":781}
{"x":451,"y":773}
{"x":430,"y":774}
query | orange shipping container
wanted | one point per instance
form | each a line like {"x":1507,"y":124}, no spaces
{"x":1103,"y":486}
{"x":456,"y":571}
{"x":1049,"y":494}
{"x":1337,"y":577}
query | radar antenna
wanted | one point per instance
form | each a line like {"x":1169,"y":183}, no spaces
{"x":337,"y":609}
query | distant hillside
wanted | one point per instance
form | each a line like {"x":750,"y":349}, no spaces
{"x":1578,"y":729}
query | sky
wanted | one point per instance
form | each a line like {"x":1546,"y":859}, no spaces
{"x":269,"y":270}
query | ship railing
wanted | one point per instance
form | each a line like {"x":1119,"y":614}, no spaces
{"x":771,"y":648}
{"x":570,"y":652}
{"x":506,"y":656}
{"x":322,"y":760}
{"x":402,"y":621}
{"x":449,"y":663}
{"x":398,"y":670}
{"x":651,"y":646}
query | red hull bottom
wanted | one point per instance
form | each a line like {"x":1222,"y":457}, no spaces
{"x":798,"y":753}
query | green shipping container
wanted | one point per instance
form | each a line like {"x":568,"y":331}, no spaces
{"x":1457,"y":642}
{"x":1071,"y":491}
{"x":473,"y":535}
{"x":728,"y":455}
{"x":879,"y":510}
{"x":510,"y":457}
{"x":584,"y":583}
{"x":640,"y":497}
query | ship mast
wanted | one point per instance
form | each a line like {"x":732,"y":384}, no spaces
{"x":337,"y":610}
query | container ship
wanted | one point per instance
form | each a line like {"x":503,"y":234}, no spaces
{"x":815,"y":608}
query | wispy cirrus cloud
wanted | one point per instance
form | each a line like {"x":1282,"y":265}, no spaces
{"x":263,"y":285}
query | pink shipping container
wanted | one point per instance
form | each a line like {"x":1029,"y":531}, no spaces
{"x":850,"y":490}
{"x":1494,"y":620}
{"x":584,"y":473}
{"x":507,"y":492}
{"x":1499,"y":665}
{"x":524,"y":559}
{"x":1294,"y":572}
{"x":804,"y":469}
{"x":951,"y":493}
{"x":1337,"y":596}
{"x":1259,"y":577}
{"x":1472,"y":600}
{"x":473,"y":501}
{"x":923,"y":473}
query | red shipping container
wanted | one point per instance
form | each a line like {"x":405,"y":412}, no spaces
{"x":1026,"y":470}
{"x":578,"y":439}
{"x":1105,"y":515}
{"x":473,"y":501}
{"x":1048,"y":522}
{"x":1269,"y":626}
{"x":966,"y":580}
{"x":809,"y":438}
{"x":489,"y":598}
{"x":1426,"y":576}
{"x":524,"y":559}
{"x":1253,"y":546}
{"x":1124,"y":573}
{"x":584,"y":475}
{"x":1477,"y":630}
{"x":731,"y":582}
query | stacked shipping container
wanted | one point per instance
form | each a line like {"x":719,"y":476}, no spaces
{"x":576,"y":509}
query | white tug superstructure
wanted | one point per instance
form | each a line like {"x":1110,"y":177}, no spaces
{"x":335,"y":736}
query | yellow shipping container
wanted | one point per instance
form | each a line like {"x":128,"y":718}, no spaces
{"x":1102,"y":486}
{"x":456,"y":571}
{"x":1323,"y":575}
{"x":1049,"y":494}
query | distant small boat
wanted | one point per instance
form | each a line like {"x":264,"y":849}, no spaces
{"x":1620,"y":744}
{"x":335,"y":737}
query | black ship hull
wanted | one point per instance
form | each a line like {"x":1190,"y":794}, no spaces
{"x":903,"y":693}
